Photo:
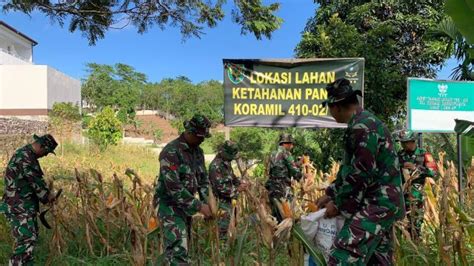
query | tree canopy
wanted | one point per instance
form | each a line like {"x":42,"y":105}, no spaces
{"x":118,"y":86}
{"x":393,"y":38}
{"x":95,"y":17}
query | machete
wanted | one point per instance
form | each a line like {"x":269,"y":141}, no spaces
{"x":42,"y":215}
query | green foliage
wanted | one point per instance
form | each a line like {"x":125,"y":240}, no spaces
{"x":259,"y":171}
{"x":216,"y":140}
{"x":86,"y":120}
{"x":119,"y":86}
{"x":105,"y":129}
{"x":65,"y":112}
{"x":254,"y":143}
{"x":182,"y":99}
{"x":63,"y":117}
{"x":127,"y":117}
{"x":457,"y":46}
{"x":324,"y":146}
{"x":462,"y":13}
{"x":390,"y":35}
{"x":256,"y":18}
{"x":157,"y":135}
{"x":95,"y":18}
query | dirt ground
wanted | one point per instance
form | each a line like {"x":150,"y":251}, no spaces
{"x":151,"y":122}
{"x":148,"y":124}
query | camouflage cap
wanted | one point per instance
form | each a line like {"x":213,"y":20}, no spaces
{"x":285,"y":138}
{"x":229,"y":149}
{"x":47,"y":142}
{"x":339,"y":90}
{"x":198,"y":125}
{"x":406,"y":135}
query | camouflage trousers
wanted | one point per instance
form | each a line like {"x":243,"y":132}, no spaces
{"x":24,"y":229}
{"x":276,"y":192}
{"x":414,"y":201}
{"x":356,"y":246}
{"x":224,"y":219}
{"x":176,"y":230}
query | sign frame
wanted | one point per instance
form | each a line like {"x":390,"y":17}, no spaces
{"x":247,"y":69}
{"x":409,"y":122}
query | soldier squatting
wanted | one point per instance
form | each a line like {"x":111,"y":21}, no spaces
{"x":368,"y":190}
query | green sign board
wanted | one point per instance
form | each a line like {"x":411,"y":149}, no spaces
{"x":434,"y":104}
{"x":284,"y":92}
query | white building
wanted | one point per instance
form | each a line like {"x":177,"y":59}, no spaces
{"x":26,"y":89}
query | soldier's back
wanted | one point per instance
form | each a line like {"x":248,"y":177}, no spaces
{"x":19,"y":194}
{"x":384,"y":190}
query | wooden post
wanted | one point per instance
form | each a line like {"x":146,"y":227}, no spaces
{"x":227,"y":133}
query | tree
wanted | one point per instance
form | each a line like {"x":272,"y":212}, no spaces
{"x":63,"y":118}
{"x":457,"y":46}
{"x":119,"y":86}
{"x":462,"y":13}
{"x":95,"y":17}
{"x":181,"y":99}
{"x":105,"y":129}
{"x":393,"y":38}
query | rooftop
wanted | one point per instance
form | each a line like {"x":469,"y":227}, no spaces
{"x":3,"y":23}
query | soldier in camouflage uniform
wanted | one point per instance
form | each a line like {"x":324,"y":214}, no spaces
{"x":413,"y":158}
{"x":24,"y":189}
{"x":225,"y":185}
{"x":367,"y":191}
{"x":182,"y":176}
{"x":282,"y":168}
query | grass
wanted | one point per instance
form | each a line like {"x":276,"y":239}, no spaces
{"x":206,"y":146}
{"x":116,"y":159}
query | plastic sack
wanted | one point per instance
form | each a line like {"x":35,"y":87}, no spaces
{"x":321,"y":231}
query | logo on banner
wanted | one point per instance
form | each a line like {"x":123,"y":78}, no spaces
{"x":351,"y":74}
{"x":442,"y":90}
{"x":235,"y":73}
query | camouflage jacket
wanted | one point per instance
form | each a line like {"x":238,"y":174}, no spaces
{"x":368,"y":184}
{"x":224,"y":182}
{"x":283,"y":166}
{"x":182,"y":176}
{"x":24,"y":183}
{"x":418,"y":158}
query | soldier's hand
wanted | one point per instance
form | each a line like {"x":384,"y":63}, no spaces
{"x":322,"y":201}
{"x":205,"y":210}
{"x":409,"y":165}
{"x":331,"y":210}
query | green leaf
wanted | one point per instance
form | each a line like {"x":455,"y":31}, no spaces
{"x":462,"y":13}
{"x":315,"y":254}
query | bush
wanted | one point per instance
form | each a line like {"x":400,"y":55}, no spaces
{"x":216,"y":140}
{"x":105,"y":129}
{"x":86,"y":121}
{"x":157,"y":135}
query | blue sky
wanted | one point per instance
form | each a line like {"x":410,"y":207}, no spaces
{"x":163,"y":54}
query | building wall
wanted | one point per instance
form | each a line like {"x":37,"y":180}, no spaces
{"x":62,"y":88}
{"x":8,"y":59}
{"x":23,"y":89}
{"x":31,"y":90}
{"x":15,"y":45}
